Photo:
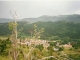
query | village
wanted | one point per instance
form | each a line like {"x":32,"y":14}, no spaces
{"x":45,"y":43}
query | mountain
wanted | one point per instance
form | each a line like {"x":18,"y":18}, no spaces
{"x":30,"y":19}
{"x":73,"y":18}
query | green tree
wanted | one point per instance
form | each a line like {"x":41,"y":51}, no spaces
{"x":40,"y":47}
{"x":61,"y":48}
{"x":50,"y":49}
{"x":5,"y":46}
{"x":37,"y":32}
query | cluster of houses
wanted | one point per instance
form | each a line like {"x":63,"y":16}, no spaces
{"x":35,"y":42}
{"x":44,"y":43}
{"x":68,"y":45}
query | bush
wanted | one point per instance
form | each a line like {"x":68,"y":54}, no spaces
{"x":61,"y":48}
{"x":4,"y":46}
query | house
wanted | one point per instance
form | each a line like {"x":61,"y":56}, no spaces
{"x":56,"y":49}
{"x":67,"y":46}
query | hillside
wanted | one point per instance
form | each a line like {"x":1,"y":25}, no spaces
{"x":58,"y":28}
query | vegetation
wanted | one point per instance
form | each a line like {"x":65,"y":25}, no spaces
{"x":60,"y":31}
{"x":60,"y":28}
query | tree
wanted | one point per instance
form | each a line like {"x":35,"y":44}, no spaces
{"x":50,"y":49}
{"x":40,"y":47}
{"x":13,"y":26}
{"x":37,"y":32}
{"x":61,"y":48}
{"x":5,"y":46}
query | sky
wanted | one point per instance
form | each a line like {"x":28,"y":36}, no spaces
{"x":37,"y":8}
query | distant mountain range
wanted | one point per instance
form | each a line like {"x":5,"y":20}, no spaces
{"x":4,"y":20}
{"x":73,"y":18}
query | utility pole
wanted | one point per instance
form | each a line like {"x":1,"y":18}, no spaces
{"x":15,"y":52}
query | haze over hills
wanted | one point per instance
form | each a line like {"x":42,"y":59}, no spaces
{"x":73,"y":18}
{"x":4,"y":20}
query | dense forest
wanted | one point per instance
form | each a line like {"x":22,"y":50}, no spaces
{"x":59,"y":28}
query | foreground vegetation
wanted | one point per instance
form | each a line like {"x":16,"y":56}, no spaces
{"x":38,"y":52}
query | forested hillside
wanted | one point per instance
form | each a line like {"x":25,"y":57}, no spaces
{"x":59,"y":28}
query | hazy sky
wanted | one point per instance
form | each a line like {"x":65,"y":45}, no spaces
{"x":36,"y":8}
